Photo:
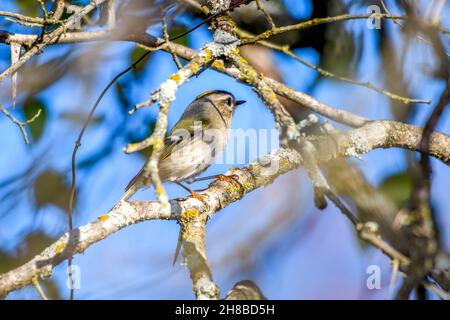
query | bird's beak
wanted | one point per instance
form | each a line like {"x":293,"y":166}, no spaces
{"x":239,"y":102}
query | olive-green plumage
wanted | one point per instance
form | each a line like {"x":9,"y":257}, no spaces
{"x":194,"y":142}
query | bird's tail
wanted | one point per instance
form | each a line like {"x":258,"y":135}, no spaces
{"x":177,"y":250}
{"x":129,"y":192}
{"x":132,"y":187}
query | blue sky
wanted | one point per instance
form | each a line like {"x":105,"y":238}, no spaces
{"x":315,"y":255}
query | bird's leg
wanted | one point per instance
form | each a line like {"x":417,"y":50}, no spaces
{"x":233,"y":179}
{"x":194,"y":194}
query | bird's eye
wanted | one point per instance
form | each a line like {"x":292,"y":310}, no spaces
{"x":230,"y":101}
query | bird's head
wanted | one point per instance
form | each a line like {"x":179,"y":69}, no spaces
{"x":223,"y":101}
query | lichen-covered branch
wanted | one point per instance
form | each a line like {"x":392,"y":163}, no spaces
{"x":265,"y":92}
{"x":392,"y":134}
{"x":193,"y":236}
{"x":77,"y":241}
{"x":219,"y":195}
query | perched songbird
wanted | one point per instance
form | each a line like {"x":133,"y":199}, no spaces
{"x":195,"y":141}
{"x":245,"y":290}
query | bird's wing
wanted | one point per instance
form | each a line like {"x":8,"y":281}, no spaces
{"x":171,"y":141}
{"x":174,"y":139}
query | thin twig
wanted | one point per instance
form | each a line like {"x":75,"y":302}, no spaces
{"x":314,"y":22}
{"x":366,"y":84}
{"x":23,"y":18}
{"x":266,"y":14}
{"x":417,"y":36}
{"x":169,"y":46}
{"x":21,"y":124}
{"x":48,"y":38}
{"x":286,"y":50}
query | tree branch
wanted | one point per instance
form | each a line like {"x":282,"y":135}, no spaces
{"x":49,"y":38}
{"x":149,"y":42}
{"x":373,"y":135}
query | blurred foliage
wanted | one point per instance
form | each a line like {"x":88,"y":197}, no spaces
{"x":37,"y":76}
{"x":122,"y":97}
{"x":30,"y":108}
{"x":28,"y":7}
{"x":176,"y":29}
{"x":148,"y":125}
{"x":32,"y":245}
{"x":51,"y":188}
{"x":398,"y":187}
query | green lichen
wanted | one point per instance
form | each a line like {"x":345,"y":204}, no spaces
{"x":159,"y":189}
{"x":157,"y":145}
{"x":175,"y":77}
{"x":195,"y":68}
{"x":247,"y":185}
{"x":189,"y":215}
{"x":60,"y":247}
{"x":218,"y":64}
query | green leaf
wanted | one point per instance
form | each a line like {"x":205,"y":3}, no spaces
{"x":51,"y":188}
{"x":28,"y":7}
{"x":32,"y":245}
{"x":398,"y":187}
{"x":177,"y":29}
{"x":30,"y":109}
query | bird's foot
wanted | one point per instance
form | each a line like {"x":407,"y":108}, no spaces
{"x":200,"y":197}
{"x":233,"y":179}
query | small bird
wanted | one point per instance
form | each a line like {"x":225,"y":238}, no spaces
{"x":195,"y":141}
{"x":245,"y":290}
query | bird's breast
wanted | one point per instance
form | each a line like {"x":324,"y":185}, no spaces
{"x":193,"y":156}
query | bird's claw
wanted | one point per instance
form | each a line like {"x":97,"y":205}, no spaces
{"x":200,"y":197}
{"x":233,"y":179}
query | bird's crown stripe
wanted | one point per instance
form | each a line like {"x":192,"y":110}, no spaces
{"x":204,"y":94}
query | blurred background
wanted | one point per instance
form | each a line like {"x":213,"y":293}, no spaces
{"x":274,"y":236}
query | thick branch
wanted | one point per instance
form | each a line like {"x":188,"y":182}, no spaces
{"x":219,"y":195}
{"x":393,"y":134}
{"x":193,"y":235}
{"x":376,"y":134}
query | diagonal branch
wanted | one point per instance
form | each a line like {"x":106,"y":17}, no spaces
{"x":219,"y":195}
